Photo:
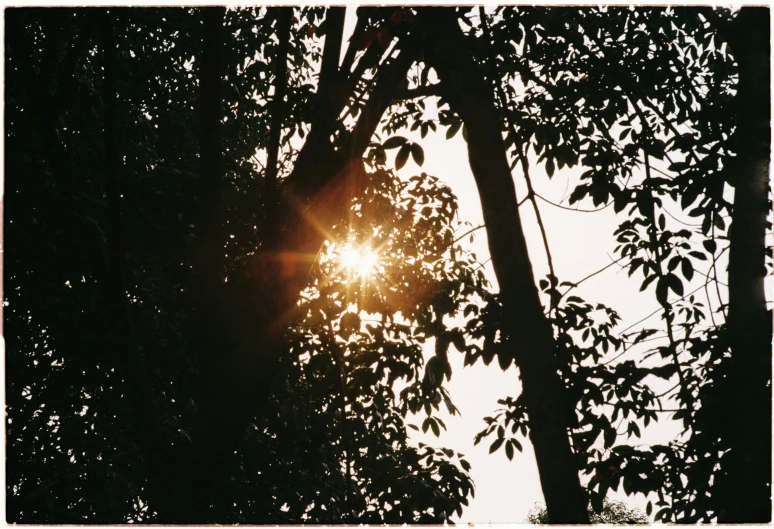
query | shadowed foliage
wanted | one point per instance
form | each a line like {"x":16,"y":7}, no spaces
{"x":223,"y":304}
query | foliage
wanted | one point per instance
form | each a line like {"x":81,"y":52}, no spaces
{"x":639,"y":99}
{"x":333,"y":443}
{"x":613,"y":512}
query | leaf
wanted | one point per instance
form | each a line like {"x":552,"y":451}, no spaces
{"x":648,"y":281}
{"x":675,"y":284}
{"x":458,"y":340}
{"x":497,"y":444}
{"x":504,"y":358}
{"x":718,"y":221}
{"x":453,"y":129}
{"x":634,"y":429}
{"x":395,"y":142}
{"x":666,"y":371}
{"x":662,"y":290}
{"x":402,"y":157}
{"x":687,"y":268}
{"x":663,"y":513}
{"x":610,"y":436}
{"x":435,"y":428}
{"x":417,"y":153}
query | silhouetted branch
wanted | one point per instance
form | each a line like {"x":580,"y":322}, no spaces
{"x":277,"y":108}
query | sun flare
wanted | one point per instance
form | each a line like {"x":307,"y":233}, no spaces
{"x":359,"y":261}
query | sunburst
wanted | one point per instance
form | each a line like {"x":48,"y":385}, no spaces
{"x":359,"y":261}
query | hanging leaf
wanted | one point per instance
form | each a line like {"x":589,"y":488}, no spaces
{"x":509,"y":450}
{"x":687,"y":268}
{"x":417,"y":153}
{"x":395,"y":142}
{"x":550,"y":166}
{"x":497,"y":444}
{"x":435,"y":428}
{"x":402,"y":157}
{"x":453,"y":129}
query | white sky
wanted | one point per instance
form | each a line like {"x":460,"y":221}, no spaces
{"x":580,"y":243}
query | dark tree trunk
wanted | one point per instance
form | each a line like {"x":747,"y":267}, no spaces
{"x":463,"y":86}
{"x":747,"y":484}
{"x":241,"y":350}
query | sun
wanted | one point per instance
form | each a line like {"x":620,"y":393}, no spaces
{"x":360,"y":261}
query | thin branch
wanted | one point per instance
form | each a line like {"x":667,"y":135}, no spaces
{"x":278,"y":107}
{"x":714,"y":269}
{"x":659,"y":309}
{"x":458,"y":239}
{"x":388,"y":78}
{"x":571,"y":209}
{"x":575,"y":284}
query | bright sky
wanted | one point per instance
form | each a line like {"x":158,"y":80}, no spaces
{"x":581,"y":243}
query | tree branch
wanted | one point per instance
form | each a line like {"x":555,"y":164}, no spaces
{"x":277,"y":108}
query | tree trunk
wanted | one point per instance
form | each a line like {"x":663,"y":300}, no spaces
{"x":747,"y":484}
{"x":242,"y":355}
{"x":462,"y":85}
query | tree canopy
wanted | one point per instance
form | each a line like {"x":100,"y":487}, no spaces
{"x":613,"y":512}
{"x":227,"y":300}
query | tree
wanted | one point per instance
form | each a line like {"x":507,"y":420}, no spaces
{"x":229,"y":374}
{"x":667,"y":155}
{"x":613,"y":512}
{"x":191,"y":185}
{"x":462,"y":85}
{"x":747,"y":489}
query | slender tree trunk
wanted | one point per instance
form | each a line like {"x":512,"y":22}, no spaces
{"x":747,"y":486}
{"x":277,"y":110}
{"x":462,"y":85}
